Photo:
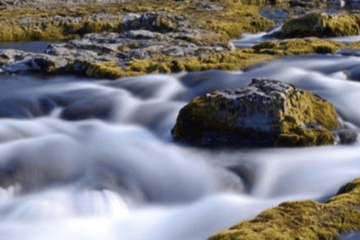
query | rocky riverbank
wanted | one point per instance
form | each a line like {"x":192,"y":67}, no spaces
{"x":113,"y":39}
{"x":303,"y":219}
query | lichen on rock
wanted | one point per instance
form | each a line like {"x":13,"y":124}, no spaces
{"x":266,"y":113}
{"x":306,"y":219}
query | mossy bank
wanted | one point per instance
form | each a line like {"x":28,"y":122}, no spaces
{"x":322,"y":25}
{"x":227,"y":19}
{"x":303,"y":219}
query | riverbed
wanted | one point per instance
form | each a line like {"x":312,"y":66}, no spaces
{"x":94,"y":159}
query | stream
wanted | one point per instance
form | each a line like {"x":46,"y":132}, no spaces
{"x":94,"y":159}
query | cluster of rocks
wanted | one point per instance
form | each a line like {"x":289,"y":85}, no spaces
{"x":143,"y":36}
{"x":51,"y":3}
{"x":265,"y":113}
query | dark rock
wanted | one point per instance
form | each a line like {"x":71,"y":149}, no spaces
{"x":16,"y":61}
{"x":265,"y":113}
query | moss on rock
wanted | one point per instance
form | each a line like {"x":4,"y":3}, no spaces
{"x":267,"y":112}
{"x":234,"y":60}
{"x":303,"y":219}
{"x":104,"y":70}
{"x":296,"y":46}
{"x":232,"y":19}
{"x":321,"y":25}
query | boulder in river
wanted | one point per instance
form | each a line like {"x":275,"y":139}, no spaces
{"x":265,"y":113}
{"x":321,"y":25}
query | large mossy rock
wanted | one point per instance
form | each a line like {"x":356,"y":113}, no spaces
{"x":321,"y":25}
{"x":265,"y":113}
{"x":303,"y":219}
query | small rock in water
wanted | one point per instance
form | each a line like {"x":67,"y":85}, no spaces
{"x":265,"y":113}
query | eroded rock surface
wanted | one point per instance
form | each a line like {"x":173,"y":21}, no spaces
{"x":266,"y":112}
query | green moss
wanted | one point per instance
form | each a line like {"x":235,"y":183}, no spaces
{"x":234,"y":60}
{"x":234,"y":19}
{"x":199,"y":113}
{"x":294,"y":118}
{"x":106,"y":70}
{"x":302,"y":219}
{"x":321,"y":25}
{"x":306,"y":108}
{"x":298,"y":46}
{"x":13,"y":31}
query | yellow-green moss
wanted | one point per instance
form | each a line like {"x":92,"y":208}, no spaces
{"x":302,"y":219}
{"x":321,"y":25}
{"x":234,"y":60}
{"x":306,"y":108}
{"x":199,"y":112}
{"x":234,"y":19}
{"x":295,"y":118}
{"x":107,"y":69}
{"x":298,"y":46}
{"x":12,"y":30}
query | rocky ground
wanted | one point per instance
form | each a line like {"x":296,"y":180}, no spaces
{"x":112,"y":39}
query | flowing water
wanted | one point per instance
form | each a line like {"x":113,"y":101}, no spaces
{"x":94,"y":159}
{"x":91,"y":159}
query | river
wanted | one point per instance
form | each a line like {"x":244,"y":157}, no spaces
{"x":94,"y":159}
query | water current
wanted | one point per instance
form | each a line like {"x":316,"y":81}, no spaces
{"x":94,"y":159}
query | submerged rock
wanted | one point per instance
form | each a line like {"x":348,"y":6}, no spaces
{"x":303,"y":219}
{"x":265,"y":113}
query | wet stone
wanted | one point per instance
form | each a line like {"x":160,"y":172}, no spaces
{"x":265,"y":113}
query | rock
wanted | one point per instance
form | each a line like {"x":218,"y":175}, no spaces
{"x":265,"y":113}
{"x":155,"y":21}
{"x":16,"y":61}
{"x":208,"y":7}
{"x":108,"y":54}
{"x":278,"y":15}
{"x":321,"y":25}
{"x":306,"y":219}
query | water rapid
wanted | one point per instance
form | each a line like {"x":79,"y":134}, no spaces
{"x":90,"y":159}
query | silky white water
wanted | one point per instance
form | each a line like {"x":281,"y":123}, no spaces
{"x":94,"y":159}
